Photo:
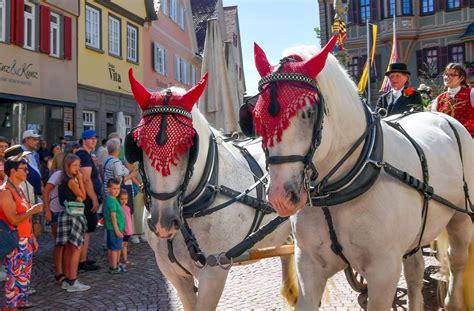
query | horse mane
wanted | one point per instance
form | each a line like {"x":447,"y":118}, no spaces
{"x":337,"y":87}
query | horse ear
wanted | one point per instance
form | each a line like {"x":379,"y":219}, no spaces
{"x":192,"y":96}
{"x":140,"y":93}
{"x":315,"y":64}
{"x":261,"y":61}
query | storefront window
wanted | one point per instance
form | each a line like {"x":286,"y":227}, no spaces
{"x":128,"y":123}
{"x":2,"y":20}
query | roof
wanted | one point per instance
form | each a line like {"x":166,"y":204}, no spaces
{"x":202,"y":11}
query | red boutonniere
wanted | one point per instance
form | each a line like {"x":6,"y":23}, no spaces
{"x":408,"y":92}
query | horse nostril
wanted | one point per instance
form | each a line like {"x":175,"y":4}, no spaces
{"x":176,"y":223}
{"x":294,"y":196}
{"x":292,"y":192}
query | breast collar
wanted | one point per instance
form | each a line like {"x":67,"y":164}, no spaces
{"x":362,"y":175}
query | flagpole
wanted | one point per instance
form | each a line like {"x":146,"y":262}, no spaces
{"x":368,"y":61}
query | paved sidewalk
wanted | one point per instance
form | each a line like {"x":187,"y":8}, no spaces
{"x":143,"y":287}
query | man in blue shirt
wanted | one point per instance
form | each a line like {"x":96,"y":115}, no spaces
{"x":30,"y":141}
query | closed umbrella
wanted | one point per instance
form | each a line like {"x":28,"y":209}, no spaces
{"x":219,"y":101}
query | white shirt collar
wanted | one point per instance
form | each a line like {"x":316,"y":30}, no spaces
{"x":396,"y":93}
{"x":453,"y":92}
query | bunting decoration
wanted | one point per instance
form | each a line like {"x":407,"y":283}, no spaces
{"x":385,"y":87}
{"x":365,"y":73}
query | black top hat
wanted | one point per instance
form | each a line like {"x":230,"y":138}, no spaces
{"x":397,"y":67}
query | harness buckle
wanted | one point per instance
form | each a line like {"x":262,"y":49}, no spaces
{"x":214,"y":188}
{"x":223,"y":265}
{"x":378,"y":164}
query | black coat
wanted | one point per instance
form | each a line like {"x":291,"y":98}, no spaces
{"x":402,"y":104}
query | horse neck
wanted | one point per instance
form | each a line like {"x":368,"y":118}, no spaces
{"x":343,"y":125}
{"x":202,"y":128}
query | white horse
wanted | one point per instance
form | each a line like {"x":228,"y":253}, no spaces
{"x":376,"y":228}
{"x":215,"y":233}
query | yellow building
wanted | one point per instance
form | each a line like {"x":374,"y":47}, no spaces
{"x":109,"y":36}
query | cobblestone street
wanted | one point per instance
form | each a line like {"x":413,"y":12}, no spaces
{"x":143,"y":287}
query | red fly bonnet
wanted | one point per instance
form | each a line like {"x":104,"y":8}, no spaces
{"x":166,"y":129}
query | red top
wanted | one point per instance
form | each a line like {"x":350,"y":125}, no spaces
{"x":22,"y":205}
{"x":459,"y":107}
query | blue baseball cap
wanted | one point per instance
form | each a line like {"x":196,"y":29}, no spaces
{"x":88,"y":134}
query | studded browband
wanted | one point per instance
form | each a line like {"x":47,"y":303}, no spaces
{"x":167,"y":109}
{"x":276,"y":76}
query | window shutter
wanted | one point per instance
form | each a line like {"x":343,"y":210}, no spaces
{"x":176,"y":68}
{"x":165,"y":61}
{"x":374,"y":14}
{"x":17,"y":22}
{"x":350,"y":16}
{"x":45,"y":21}
{"x":357,"y":12}
{"x":67,"y":37}
{"x":165,"y":7}
{"x":443,"y":57}
{"x":153,"y":56}
{"x":441,"y":5}
{"x":419,"y":62}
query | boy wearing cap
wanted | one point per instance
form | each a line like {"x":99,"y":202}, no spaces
{"x":401,"y":98}
{"x":30,"y":141}
{"x":93,"y":187}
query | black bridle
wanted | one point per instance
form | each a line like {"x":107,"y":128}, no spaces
{"x":161,"y":139}
{"x":310,"y":173}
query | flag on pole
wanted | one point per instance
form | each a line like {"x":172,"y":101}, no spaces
{"x":386,"y":86}
{"x":365,"y":73}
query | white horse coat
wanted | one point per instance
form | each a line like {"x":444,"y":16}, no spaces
{"x":377,"y":228}
{"x":215,"y":233}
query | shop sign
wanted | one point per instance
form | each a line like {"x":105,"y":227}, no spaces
{"x":113,"y":74}
{"x":17,"y":72}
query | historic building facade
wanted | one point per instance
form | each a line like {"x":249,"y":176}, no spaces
{"x":38,"y":73}
{"x":430,"y":34}
{"x":171,"y":55}
{"x":110,"y":41}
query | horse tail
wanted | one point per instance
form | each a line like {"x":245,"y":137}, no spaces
{"x":289,"y":289}
{"x":468,"y":276}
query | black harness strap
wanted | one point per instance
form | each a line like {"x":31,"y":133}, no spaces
{"x":336,"y":247}
{"x":427,"y":193}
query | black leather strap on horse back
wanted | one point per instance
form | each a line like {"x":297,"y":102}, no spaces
{"x":255,"y":237}
{"x":467,"y":202}
{"x":426,"y":191}
{"x":258,"y":175}
{"x":257,"y":204}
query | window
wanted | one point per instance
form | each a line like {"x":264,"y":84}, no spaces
{"x":173,"y":10}
{"x":454,"y":4}
{"x":391,"y":8}
{"x":3,"y":19}
{"x":364,"y":10}
{"x":88,"y":120}
{"x":406,"y":7}
{"x":54,"y":35}
{"x":114,"y":36}
{"x":430,"y":61}
{"x":427,"y":7}
{"x":132,"y":43}
{"x":161,"y":59}
{"x":29,"y":31}
{"x":176,"y":11}
{"x":193,"y":75}
{"x":128,"y":123}
{"x":456,"y":53}
{"x":93,"y":27}
{"x":354,"y":67}
{"x":181,"y":70}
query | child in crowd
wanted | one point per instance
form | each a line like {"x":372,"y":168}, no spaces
{"x":114,"y":225}
{"x":71,"y":228}
{"x":123,"y":199}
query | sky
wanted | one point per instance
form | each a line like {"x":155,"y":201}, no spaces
{"x":274,"y":25}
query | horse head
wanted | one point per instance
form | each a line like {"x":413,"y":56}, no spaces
{"x":165,"y":143}
{"x":288,"y":115}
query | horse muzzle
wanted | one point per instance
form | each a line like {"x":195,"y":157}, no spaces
{"x":288,"y":199}
{"x":166,"y":228}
